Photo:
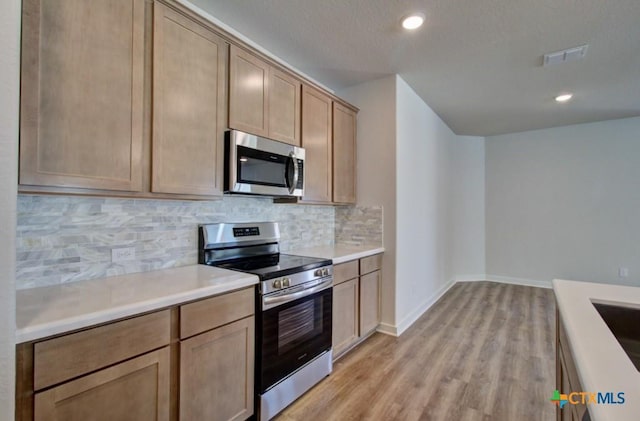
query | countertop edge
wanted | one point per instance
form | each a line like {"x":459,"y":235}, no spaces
{"x":42,"y":331}
{"x":340,"y":253}
{"x":357,"y":255}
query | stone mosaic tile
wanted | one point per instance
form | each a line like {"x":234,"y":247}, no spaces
{"x":359,"y":225}
{"x":66,"y":239}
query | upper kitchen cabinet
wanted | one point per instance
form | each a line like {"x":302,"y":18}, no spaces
{"x":284,"y":107}
{"x":263,"y":100}
{"x":316,"y":140}
{"x":344,"y":154}
{"x":248,"y":100}
{"x":82,"y":94}
{"x":132,"y":98}
{"x":189,"y":105}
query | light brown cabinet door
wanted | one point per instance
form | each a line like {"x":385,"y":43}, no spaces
{"x":316,"y":140}
{"x":189,"y":103}
{"x":137,"y":389}
{"x":566,"y":413}
{"x":216,"y":373}
{"x":345,"y":316}
{"x":82,"y":94}
{"x":284,"y":107}
{"x":369,"y":302}
{"x":248,"y":92}
{"x":344,"y":154}
{"x":567,"y":379}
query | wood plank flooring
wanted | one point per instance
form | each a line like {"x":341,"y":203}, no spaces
{"x":484,"y":351}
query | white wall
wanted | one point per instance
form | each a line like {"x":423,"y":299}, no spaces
{"x":468,"y":208}
{"x":376,"y":133}
{"x":565,"y":203}
{"x":9,"y":97}
{"x":431,"y":185}
{"x":423,"y":219}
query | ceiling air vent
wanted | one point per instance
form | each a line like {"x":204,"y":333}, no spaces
{"x":564,"y":56}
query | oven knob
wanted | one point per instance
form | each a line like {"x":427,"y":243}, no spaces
{"x":325,"y":272}
{"x":318,"y":272}
{"x":285,"y":283}
{"x":277,"y":284}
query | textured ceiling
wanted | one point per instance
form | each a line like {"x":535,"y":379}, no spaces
{"x":477,"y":63}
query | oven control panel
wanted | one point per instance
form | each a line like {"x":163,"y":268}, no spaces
{"x":246,"y":232}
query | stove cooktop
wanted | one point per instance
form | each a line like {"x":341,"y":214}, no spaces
{"x":275,"y":266}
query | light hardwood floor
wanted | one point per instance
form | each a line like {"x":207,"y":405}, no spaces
{"x":484,"y":351}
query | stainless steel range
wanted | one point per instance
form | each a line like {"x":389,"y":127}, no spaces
{"x":293,"y":315}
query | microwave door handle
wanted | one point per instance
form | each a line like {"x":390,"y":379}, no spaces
{"x":293,"y":183}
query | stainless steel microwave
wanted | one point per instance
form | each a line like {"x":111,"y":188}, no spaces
{"x":256,"y":165}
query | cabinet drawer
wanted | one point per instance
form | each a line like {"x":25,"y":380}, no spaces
{"x":69,"y":356}
{"x":371,"y":263}
{"x":345,"y":271}
{"x":136,"y":389}
{"x":212,"y":312}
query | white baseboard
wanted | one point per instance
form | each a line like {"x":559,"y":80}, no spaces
{"x":471,"y":278}
{"x":421,"y":309}
{"x":410,"y":319}
{"x":516,"y":281}
{"x":387,"y":329}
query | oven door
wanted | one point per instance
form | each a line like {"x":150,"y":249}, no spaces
{"x":256,"y":165}
{"x":291,"y":334}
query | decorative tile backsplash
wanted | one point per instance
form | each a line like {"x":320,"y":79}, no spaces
{"x":66,"y":239}
{"x":358,"y":225}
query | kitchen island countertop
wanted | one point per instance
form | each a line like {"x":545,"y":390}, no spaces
{"x":602,"y":364}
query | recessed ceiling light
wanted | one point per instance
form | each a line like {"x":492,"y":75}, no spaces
{"x":413,"y":21}
{"x":564,"y":97}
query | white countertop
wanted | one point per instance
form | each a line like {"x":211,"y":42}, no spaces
{"x":602,"y":364}
{"x":340,"y":253}
{"x":47,"y":311}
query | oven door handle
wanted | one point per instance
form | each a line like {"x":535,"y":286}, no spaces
{"x":270,"y":302}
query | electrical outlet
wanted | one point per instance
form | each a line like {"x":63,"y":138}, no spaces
{"x":123,"y":254}
{"x":623,"y":272}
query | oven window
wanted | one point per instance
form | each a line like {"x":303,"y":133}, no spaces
{"x":258,"y":167}
{"x":298,"y":324}
{"x":292,"y":334}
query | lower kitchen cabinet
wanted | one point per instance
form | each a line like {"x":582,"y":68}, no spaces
{"x":567,"y":379}
{"x":137,"y":389}
{"x":356,"y":302}
{"x":369,"y":302}
{"x":216,"y":373}
{"x":345,"y":316}
{"x":193,"y":361}
{"x":217,"y":357}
